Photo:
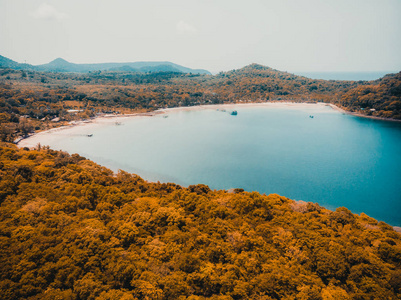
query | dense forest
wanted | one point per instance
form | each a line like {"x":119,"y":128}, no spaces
{"x":31,"y":100}
{"x":71,"y":229}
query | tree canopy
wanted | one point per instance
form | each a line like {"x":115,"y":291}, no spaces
{"x":71,"y":229}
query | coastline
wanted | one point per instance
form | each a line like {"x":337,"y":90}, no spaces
{"x":32,"y":140}
{"x":361,"y":115}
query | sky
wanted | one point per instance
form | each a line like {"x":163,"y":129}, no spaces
{"x":217,"y":35}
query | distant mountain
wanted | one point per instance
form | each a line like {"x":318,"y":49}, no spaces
{"x":146,"y":69}
{"x":163,"y":68}
{"x":61,"y":65}
{"x":8,"y":63}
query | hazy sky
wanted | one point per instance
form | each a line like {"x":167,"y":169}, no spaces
{"x":218,"y":35}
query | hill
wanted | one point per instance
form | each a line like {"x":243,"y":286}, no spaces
{"x":383,"y":95}
{"x":8,"y":63}
{"x":71,"y":229}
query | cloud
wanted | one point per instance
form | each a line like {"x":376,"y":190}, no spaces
{"x":183,"y":27}
{"x":48,"y":12}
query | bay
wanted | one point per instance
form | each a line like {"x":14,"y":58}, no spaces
{"x":333,"y":159}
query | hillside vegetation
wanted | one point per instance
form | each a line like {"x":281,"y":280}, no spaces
{"x":71,"y":229}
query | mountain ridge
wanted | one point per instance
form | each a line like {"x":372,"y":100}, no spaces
{"x":61,"y":65}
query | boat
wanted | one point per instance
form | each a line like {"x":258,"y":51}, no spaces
{"x":311,"y":116}
{"x":90,"y":135}
{"x":234,"y":113}
{"x":165,"y":117}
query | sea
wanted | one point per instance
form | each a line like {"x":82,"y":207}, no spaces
{"x":354,"y":76}
{"x":308,"y":152}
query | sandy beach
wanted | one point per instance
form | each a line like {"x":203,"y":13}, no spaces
{"x":79,"y":127}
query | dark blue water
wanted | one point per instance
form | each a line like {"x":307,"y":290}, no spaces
{"x":332,"y":159}
{"x":354,"y":76}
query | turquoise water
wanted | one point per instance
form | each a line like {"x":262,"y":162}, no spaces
{"x":332,"y":159}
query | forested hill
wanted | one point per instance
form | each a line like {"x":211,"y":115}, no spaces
{"x":29,"y":100}
{"x":380,"y":98}
{"x":71,"y":229}
{"x":383,"y":95}
{"x":257,"y":82}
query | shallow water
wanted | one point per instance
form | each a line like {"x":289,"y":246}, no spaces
{"x":332,"y":159}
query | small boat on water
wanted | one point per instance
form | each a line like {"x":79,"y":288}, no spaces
{"x":165,"y":117}
{"x":89,"y":135}
{"x":234,"y":113}
{"x":311,"y":116}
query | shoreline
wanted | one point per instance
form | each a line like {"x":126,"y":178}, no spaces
{"x":361,"y":115}
{"x":32,"y":140}
{"x":98,"y":120}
